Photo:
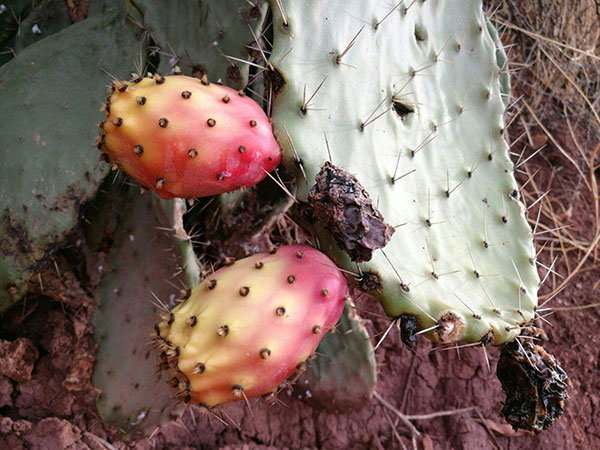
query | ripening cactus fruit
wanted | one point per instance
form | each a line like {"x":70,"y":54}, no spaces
{"x":185,"y":137}
{"x":245,"y":329}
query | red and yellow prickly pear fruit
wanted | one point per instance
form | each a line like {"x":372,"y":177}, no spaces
{"x":245,"y":329}
{"x":185,"y":137}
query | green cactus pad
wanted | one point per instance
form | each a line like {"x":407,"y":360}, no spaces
{"x":198,"y":37}
{"x":15,"y":12}
{"x":411,"y":105}
{"x":343,"y":376}
{"x":47,"y":130}
{"x":46,"y":18}
{"x":135,"y":396}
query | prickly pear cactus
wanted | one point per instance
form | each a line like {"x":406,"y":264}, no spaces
{"x":134,"y":395}
{"x":185,"y":137}
{"x":343,"y":376}
{"x":47,"y":125}
{"x":408,"y":100}
{"x":250,"y":325}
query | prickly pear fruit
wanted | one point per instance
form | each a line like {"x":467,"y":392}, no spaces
{"x":245,"y":329}
{"x":185,"y":137}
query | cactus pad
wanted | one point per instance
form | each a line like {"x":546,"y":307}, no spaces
{"x":408,"y":100}
{"x":343,"y":376}
{"x":134,"y":394}
{"x":200,"y":38}
{"x":47,"y":126}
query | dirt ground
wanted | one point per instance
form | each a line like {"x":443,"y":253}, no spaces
{"x":47,"y":400}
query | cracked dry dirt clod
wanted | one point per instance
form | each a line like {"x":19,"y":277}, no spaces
{"x":535,"y":385}
{"x":343,"y":206}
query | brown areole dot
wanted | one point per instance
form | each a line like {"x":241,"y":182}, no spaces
{"x":299,"y":255}
{"x":229,"y":261}
{"x":226,"y":99}
{"x":280,"y":311}
{"x":265,"y":353}
{"x":212,"y":284}
{"x":186,"y":94}
{"x":258,"y":265}
{"x":140,"y":100}
{"x":159,"y":79}
{"x":324,"y":292}
{"x":117,"y":121}
{"x":316,"y":329}
{"x":301,"y":366}
{"x":163,"y":122}
{"x":192,"y":321}
{"x":237,"y":390}
{"x":223,"y":330}
{"x":221,"y":176}
{"x":171,"y":318}
{"x":211,"y":122}
{"x":269,"y":397}
{"x":160,"y":182}
{"x":291,"y":279}
{"x":241,"y":149}
{"x":192,"y":152}
{"x":138,"y":150}
{"x":244,"y":290}
{"x":199,"y":368}
{"x":253,"y":123}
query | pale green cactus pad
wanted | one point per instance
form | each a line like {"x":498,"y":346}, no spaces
{"x":411,"y":105}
